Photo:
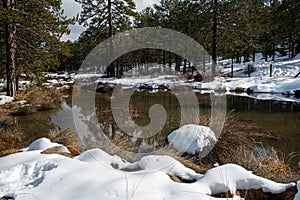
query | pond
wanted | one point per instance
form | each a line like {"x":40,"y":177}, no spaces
{"x":280,"y":118}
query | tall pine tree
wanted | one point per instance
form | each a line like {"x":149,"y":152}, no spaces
{"x":32,"y":36}
{"x":109,"y":16}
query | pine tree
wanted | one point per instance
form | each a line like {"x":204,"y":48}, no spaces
{"x":32,"y":35}
{"x":109,"y":16}
{"x":289,"y":23}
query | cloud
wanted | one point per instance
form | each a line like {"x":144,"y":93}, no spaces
{"x":141,"y":4}
{"x":71,"y":8}
{"x":75,"y":31}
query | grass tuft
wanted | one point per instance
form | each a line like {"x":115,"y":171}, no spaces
{"x":67,"y":138}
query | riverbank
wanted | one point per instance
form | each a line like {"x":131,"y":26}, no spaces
{"x":33,"y":174}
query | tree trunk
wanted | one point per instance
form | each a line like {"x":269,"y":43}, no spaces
{"x":110,"y":18}
{"x":110,"y":27}
{"x":11,"y":47}
{"x":214,"y":37}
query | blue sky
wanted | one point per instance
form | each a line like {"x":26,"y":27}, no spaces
{"x":72,"y":8}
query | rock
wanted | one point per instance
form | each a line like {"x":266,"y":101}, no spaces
{"x":239,"y":90}
{"x":250,"y":91}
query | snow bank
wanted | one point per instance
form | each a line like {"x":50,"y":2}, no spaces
{"x":43,"y":144}
{"x":297,"y":197}
{"x":230,"y":177}
{"x":5,"y":99}
{"x":30,"y":174}
{"x":99,"y":156}
{"x":193,"y":139}
{"x":165,"y":164}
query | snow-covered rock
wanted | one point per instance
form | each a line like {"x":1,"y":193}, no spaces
{"x":43,"y":144}
{"x":5,"y":99}
{"x":193,"y":139}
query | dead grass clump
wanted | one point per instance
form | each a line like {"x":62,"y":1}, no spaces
{"x":236,"y":145}
{"x":190,"y":162}
{"x":174,"y":178}
{"x":41,"y":98}
{"x":10,"y":136}
{"x":56,"y":150}
{"x":8,"y":152}
{"x":67,"y":138}
{"x":34,"y":99}
{"x":289,"y":194}
{"x":6,"y":121}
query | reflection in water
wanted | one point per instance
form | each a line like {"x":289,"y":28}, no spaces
{"x":282,"y":117}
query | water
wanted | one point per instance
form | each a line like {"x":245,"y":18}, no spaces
{"x":281,"y":118}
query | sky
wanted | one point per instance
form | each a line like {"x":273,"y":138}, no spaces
{"x":72,"y":8}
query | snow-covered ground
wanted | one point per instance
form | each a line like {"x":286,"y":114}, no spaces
{"x":281,"y":86}
{"x":5,"y":99}
{"x":94,"y":174}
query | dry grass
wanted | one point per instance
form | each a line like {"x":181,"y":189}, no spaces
{"x":10,"y":135}
{"x":289,"y":194}
{"x":36,"y":99}
{"x":41,"y":98}
{"x":67,"y":138}
{"x":8,"y":152}
{"x":56,"y":150}
{"x":236,"y":145}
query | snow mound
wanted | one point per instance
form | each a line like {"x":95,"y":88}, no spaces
{"x":43,"y":144}
{"x":31,"y":175}
{"x":193,"y":139}
{"x":100,"y":156}
{"x":231,"y":177}
{"x":165,"y":164}
{"x":24,"y":176}
{"x":5,"y":99}
{"x":297,"y":197}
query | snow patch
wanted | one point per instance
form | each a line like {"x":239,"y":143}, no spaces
{"x":5,"y":99}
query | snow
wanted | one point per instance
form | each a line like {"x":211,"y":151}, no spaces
{"x":297,"y":197}
{"x":31,"y":175}
{"x":232,"y":177}
{"x":165,"y":164}
{"x":5,"y":99}
{"x":43,"y":144}
{"x":192,"y":139}
{"x":99,"y":156}
{"x":281,"y":86}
